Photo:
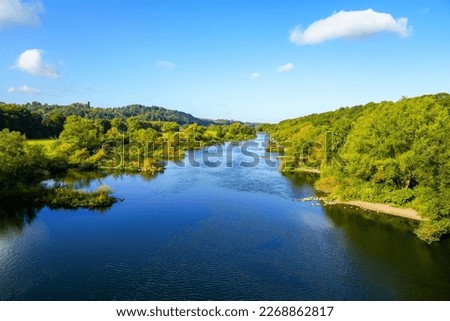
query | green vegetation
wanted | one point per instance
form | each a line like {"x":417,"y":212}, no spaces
{"x":37,"y":120}
{"x":45,"y":143}
{"x":72,"y":198}
{"x":130,"y":139}
{"x":136,"y":144}
{"x":390,"y":152}
{"x":24,"y":166}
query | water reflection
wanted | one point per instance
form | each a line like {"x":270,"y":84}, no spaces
{"x":92,"y":179}
{"x":394,"y":258}
{"x":14,"y":218}
{"x":199,"y":233}
{"x":81,"y":179}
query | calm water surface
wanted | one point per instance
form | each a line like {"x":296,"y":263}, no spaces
{"x":215,"y":234}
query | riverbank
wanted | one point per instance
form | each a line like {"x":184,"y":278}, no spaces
{"x":307,"y":170}
{"x":302,"y":170}
{"x":379,"y":208}
{"x":374,"y":207}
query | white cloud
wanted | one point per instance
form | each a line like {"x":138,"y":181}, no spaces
{"x":285,"y":68}
{"x":255,"y":75}
{"x":16,"y":12}
{"x":350,"y":24}
{"x":23,"y":89}
{"x":165,"y":64}
{"x":30,"y":61}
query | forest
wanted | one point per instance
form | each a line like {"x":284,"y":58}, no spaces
{"x":38,"y":120}
{"x":395,"y":153}
{"x":79,"y":137}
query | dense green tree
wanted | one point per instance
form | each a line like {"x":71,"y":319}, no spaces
{"x":81,"y":133}
{"x":21,"y":166}
{"x":389,"y":152}
{"x":18,"y":118}
{"x":145,"y":136}
{"x":169,"y":127}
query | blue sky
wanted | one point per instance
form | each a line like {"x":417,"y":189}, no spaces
{"x":247,"y":60}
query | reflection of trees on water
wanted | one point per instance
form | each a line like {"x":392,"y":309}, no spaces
{"x":302,"y":178}
{"x":385,"y":248}
{"x":13,"y":218}
{"x":352,"y":219}
{"x":85,"y":179}
{"x":302,"y":183}
{"x":81,"y":179}
{"x":392,"y":253}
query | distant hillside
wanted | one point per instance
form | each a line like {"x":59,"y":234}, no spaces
{"x":38,"y":120}
{"x":148,"y":113}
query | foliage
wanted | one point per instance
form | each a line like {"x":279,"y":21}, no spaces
{"x":38,"y":120}
{"x":19,"y":118}
{"x":432,"y":231}
{"x":20,"y":164}
{"x":72,"y":198}
{"x":135,"y":144}
{"x":389,"y":152}
{"x":134,"y":138}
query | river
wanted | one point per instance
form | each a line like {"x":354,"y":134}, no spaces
{"x":216,"y":233}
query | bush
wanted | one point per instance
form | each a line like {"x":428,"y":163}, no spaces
{"x":432,"y":231}
{"x":326,"y":184}
{"x":71,"y":198}
{"x":400,"y":197}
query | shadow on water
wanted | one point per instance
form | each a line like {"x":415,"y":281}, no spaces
{"x":394,"y":258}
{"x":14,"y":218}
{"x":302,"y":184}
{"x":215,"y":234}
{"x":302,"y":179}
{"x":92,"y":179}
{"x":81,"y":179}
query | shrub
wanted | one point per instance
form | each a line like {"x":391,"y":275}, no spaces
{"x":432,"y":231}
{"x":72,"y":198}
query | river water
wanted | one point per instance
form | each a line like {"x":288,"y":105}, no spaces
{"x":216,"y":233}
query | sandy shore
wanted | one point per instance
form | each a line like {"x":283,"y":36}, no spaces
{"x":375,"y":207}
{"x":306,"y":170}
{"x":381,"y":208}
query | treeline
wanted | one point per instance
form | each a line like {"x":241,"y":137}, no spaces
{"x":136,"y":144}
{"x":390,"y":152}
{"x":125,"y":143}
{"x":38,"y":120}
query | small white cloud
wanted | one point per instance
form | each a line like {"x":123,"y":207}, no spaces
{"x":165,"y":64}
{"x":350,"y":24}
{"x":30,"y":61}
{"x":255,"y":75}
{"x":16,"y":12}
{"x":285,"y":68}
{"x":23,"y":89}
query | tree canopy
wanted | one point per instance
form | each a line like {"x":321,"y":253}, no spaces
{"x":390,"y":152}
{"x":37,"y":120}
